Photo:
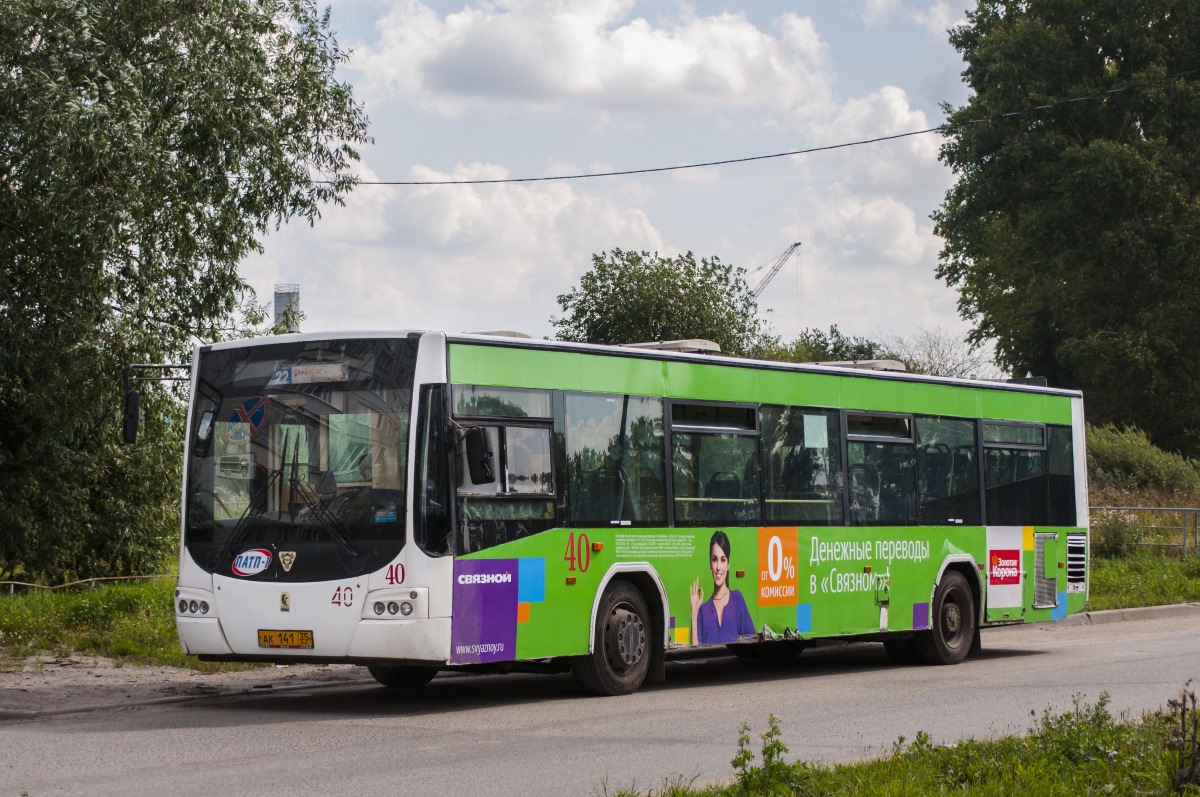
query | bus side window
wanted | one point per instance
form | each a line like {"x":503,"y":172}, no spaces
{"x":520,"y":501}
{"x":431,"y":517}
{"x":947,"y":473}
{"x":715,"y":463}
{"x":882,"y":470}
{"x":1062,"y":477}
{"x":803,"y":454}
{"x":614,"y":459}
{"x":1015,"y":474}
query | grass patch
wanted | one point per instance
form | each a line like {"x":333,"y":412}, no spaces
{"x":1142,"y":579}
{"x":131,"y":622}
{"x":1084,"y":750}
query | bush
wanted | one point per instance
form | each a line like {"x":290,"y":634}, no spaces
{"x":1113,"y":533}
{"x":1125,"y":458}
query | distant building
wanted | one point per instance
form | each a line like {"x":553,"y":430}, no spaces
{"x":287,"y":297}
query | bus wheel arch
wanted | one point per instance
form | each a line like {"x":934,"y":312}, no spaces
{"x":627,"y":632}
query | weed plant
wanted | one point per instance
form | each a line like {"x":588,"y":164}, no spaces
{"x":1084,"y":750}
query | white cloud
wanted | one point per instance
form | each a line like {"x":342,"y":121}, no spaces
{"x":544,"y":55}
{"x":940,"y":16}
{"x":885,"y":112}
{"x":449,"y":257}
{"x":883,"y":230}
{"x":876,"y":12}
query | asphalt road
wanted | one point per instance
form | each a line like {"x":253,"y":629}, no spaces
{"x":537,"y":735}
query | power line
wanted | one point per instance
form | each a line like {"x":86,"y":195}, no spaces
{"x":808,"y":151}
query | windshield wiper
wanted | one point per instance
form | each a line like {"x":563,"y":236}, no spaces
{"x":320,"y":510}
{"x":242,"y":527}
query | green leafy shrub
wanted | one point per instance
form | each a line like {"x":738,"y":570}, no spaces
{"x":1113,"y":533}
{"x":1125,"y":458}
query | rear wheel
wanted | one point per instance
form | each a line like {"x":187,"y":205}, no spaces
{"x":401,"y":677}
{"x":620,"y":657}
{"x":952,"y":634}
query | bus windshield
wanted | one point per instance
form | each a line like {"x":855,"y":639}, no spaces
{"x":298,"y":450}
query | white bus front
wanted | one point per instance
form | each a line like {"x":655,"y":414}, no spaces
{"x":296,"y":503}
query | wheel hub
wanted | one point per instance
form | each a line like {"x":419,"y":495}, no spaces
{"x":626,"y":638}
{"x":952,"y":618}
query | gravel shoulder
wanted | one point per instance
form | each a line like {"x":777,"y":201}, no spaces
{"x":42,"y":685}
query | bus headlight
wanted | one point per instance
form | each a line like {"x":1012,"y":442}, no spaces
{"x":193,"y":602}
{"x":404,"y":604}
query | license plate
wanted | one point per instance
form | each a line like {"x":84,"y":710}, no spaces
{"x":301,"y":640}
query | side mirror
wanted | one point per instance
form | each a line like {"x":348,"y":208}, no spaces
{"x":479,"y":456}
{"x":133,"y":416}
{"x":204,"y":431}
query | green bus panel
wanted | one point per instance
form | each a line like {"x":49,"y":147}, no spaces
{"x":502,"y":366}
{"x":805,"y":581}
{"x":811,"y":582}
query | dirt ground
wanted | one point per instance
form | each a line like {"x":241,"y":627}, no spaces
{"x":45,"y":684}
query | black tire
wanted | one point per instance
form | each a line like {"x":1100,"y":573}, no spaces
{"x":402,"y":677}
{"x":620,"y":657}
{"x":901,"y":650}
{"x":953,"y":623}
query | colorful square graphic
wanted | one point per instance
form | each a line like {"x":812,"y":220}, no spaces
{"x":804,"y":618}
{"x":531,"y":580}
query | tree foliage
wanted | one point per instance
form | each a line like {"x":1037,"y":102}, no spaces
{"x":1072,"y":232}
{"x":631,"y":297}
{"x":813,"y":345}
{"x":144,"y":150}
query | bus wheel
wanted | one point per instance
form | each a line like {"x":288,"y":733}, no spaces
{"x":953,"y":619}
{"x":397,"y":677}
{"x":620,"y":657}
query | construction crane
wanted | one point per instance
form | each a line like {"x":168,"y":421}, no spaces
{"x":773,"y":268}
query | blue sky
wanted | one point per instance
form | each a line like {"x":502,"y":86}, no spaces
{"x":522,"y":88}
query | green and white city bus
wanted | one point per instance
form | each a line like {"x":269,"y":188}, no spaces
{"x":416,"y":502}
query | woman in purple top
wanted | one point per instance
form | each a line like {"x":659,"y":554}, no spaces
{"x":724,"y":617}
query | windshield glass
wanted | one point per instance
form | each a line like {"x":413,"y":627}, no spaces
{"x":297,"y":458}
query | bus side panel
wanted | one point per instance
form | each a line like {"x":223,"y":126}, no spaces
{"x":533,"y":598}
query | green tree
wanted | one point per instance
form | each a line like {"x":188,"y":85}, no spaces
{"x":631,"y":297}
{"x":814,"y":345}
{"x":145,"y":148}
{"x":1072,"y":230}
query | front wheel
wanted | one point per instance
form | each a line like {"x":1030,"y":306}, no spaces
{"x":399,"y":677}
{"x":953,"y":621}
{"x":620,"y":657}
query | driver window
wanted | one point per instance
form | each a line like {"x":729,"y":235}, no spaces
{"x":521,"y":500}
